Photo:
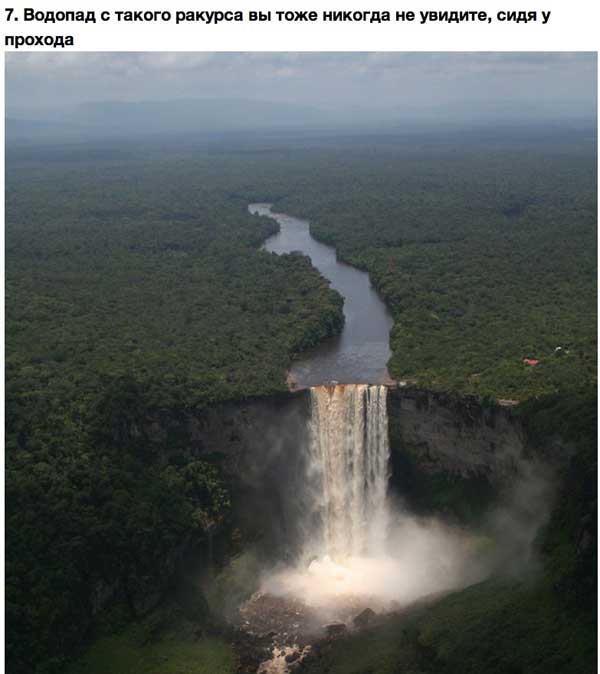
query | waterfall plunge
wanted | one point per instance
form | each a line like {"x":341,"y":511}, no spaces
{"x":354,"y":551}
{"x":348,"y":463}
{"x":344,"y":493}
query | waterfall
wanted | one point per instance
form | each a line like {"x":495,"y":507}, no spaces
{"x":354,"y":549}
{"x":349,"y":459}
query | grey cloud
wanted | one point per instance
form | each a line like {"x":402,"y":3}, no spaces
{"x":548,"y":84}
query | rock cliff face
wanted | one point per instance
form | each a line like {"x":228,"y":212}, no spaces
{"x":454,"y":435}
{"x":451,"y":455}
{"x":438,"y":441}
{"x":448,"y":454}
{"x":260,"y":443}
{"x":259,"y":446}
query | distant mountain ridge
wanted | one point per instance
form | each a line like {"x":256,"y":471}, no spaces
{"x":112,"y":118}
{"x":92,"y":121}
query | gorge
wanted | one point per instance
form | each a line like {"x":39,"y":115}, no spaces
{"x":352,"y":546}
{"x":351,"y":496}
{"x":208,"y":465}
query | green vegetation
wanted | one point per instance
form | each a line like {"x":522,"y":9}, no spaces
{"x":235,"y":583}
{"x":486,"y":255}
{"x":122,"y":654}
{"x":136,"y":290}
{"x":569,"y":541}
{"x":496,"y":627}
{"x":537,"y":625}
{"x":170,"y":644}
{"x":483,"y":246}
{"x":154,"y":273}
{"x":85,"y":525}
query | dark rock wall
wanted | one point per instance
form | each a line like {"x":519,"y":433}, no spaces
{"x":451,"y":455}
{"x":259,"y":446}
{"x":456,"y":435}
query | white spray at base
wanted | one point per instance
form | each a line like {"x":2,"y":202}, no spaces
{"x":356,"y":549}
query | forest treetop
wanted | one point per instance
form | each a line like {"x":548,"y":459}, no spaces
{"x":135,"y":285}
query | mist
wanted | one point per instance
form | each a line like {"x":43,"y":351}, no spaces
{"x":82,"y":96}
{"x":423,"y":558}
{"x":360,"y":547}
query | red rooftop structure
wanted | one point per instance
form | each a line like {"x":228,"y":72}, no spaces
{"x":530,"y":361}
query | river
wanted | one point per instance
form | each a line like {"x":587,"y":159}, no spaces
{"x":360,"y":354}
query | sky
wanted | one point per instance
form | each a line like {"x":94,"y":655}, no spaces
{"x":409,"y":84}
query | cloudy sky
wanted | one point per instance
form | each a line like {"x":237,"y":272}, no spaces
{"x":412,"y":84}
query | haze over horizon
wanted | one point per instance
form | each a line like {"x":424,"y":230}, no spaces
{"x":155,"y":92}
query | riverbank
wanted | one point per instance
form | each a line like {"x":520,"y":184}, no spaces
{"x":359,"y":354}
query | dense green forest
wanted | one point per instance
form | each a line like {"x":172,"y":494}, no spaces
{"x":132,"y":289}
{"x":135,"y":287}
{"x":482,"y":246}
{"x":485,"y":253}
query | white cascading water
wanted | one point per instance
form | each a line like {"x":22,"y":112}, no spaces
{"x":349,"y":461}
{"x":356,"y":551}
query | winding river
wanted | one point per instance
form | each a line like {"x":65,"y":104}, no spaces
{"x":361,"y":352}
